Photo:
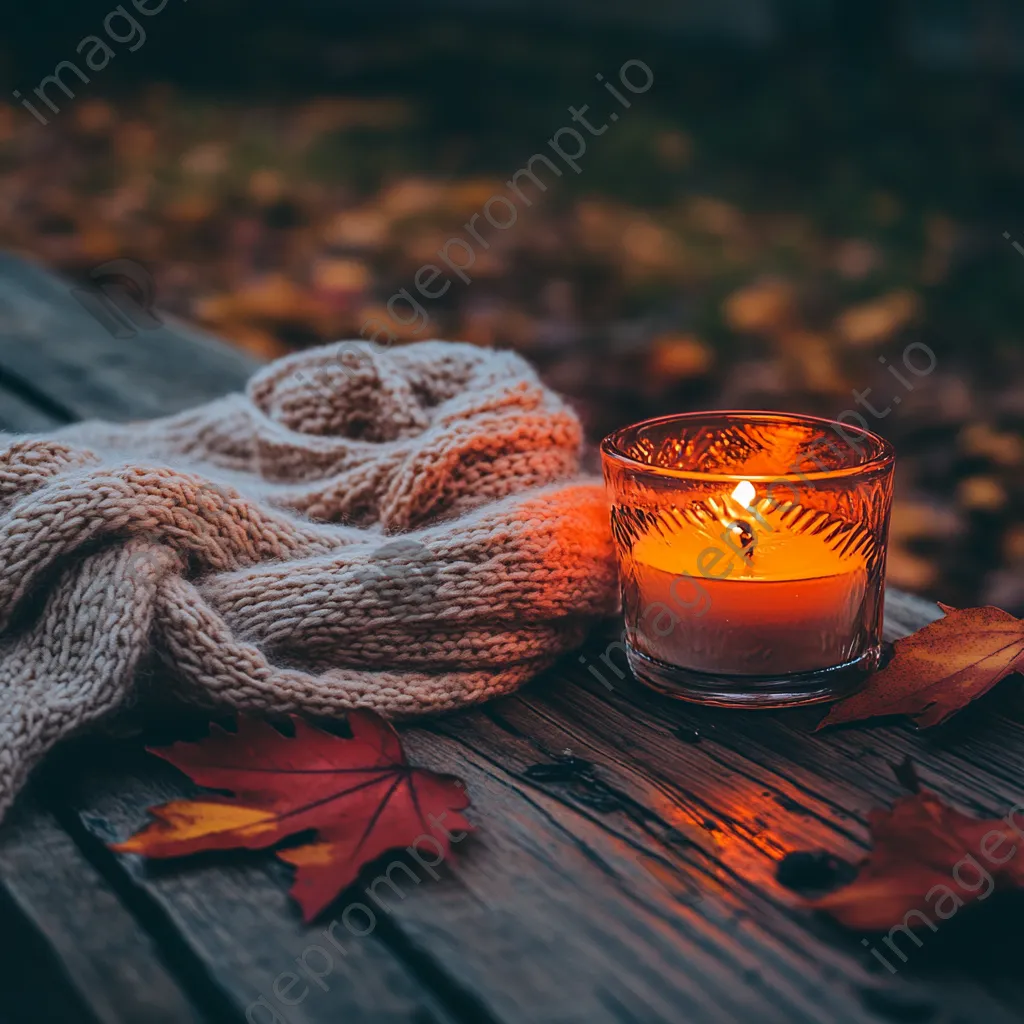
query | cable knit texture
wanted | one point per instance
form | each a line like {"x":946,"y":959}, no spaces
{"x":403,"y":531}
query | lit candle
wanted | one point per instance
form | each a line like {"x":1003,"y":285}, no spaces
{"x":757,"y":591}
{"x":780,"y":602}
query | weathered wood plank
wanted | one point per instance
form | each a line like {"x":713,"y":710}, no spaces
{"x":22,"y":412}
{"x":713,"y":818}
{"x":92,"y":943}
{"x":759,"y":785}
{"x":49,"y":342}
{"x":634,"y":883}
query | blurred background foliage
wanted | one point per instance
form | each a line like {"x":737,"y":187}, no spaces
{"x":807,"y":189}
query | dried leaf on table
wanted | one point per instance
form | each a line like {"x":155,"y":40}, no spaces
{"x":919,"y":862}
{"x":940,"y":669}
{"x":358,"y":794}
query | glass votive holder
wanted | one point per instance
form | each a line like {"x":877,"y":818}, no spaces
{"x":751,"y":553}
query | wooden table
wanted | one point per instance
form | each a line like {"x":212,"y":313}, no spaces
{"x":625,"y":864}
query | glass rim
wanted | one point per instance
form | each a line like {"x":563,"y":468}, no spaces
{"x":884,"y":458}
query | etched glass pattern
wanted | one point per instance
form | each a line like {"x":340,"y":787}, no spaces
{"x":752,"y":553}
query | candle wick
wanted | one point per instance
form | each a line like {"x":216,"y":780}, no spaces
{"x":744,"y":533}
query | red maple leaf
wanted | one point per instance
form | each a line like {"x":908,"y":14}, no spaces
{"x":358,"y":794}
{"x":913,"y":865}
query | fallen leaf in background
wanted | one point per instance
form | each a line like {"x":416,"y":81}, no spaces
{"x":907,"y":570}
{"x":872,"y":323}
{"x":358,"y":794}
{"x":856,"y":258}
{"x":678,"y":357}
{"x":940,"y":669}
{"x":1013,"y":545}
{"x":813,"y":356}
{"x":715,"y":216}
{"x":916,"y":846}
{"x":914,"y":522}
{"x":981,"y":494}
{"x":765,"y":306}
{"x":981,"y":440}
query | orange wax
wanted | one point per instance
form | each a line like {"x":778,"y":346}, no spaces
{"x":796,"y":603}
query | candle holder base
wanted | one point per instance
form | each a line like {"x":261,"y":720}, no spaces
{"x":730,"y":691}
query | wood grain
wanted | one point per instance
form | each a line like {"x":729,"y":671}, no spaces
{"x":226,"y":923}
{"x":84,"y":941}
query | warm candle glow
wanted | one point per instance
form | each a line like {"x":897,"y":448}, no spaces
{"x":791,"y":602}
{"x":763,"y":578}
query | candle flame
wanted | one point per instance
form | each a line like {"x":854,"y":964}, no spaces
{"x":744,"y":493}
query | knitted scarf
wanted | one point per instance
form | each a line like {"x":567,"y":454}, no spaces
{"x":403,"y":531}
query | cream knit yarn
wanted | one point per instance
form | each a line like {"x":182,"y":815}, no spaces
{"x":405,"y":531}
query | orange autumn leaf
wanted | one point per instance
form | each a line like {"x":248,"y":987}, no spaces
{"x":359,"y":795}
{"x":940,"y":669}
{"x":929,"y":858}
